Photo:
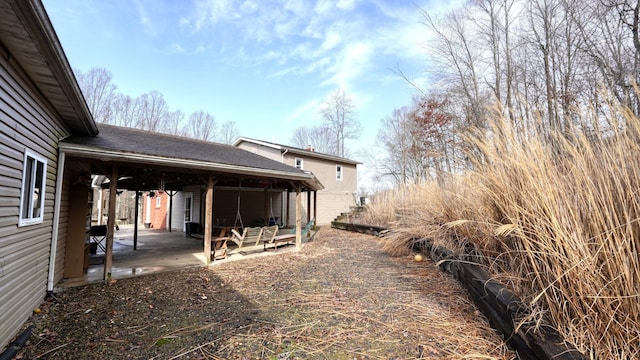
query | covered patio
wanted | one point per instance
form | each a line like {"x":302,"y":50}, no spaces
{"x":158,"y":251}
{"x":144,"y":161}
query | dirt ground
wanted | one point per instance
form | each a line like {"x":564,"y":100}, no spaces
{"x":340,"y":297}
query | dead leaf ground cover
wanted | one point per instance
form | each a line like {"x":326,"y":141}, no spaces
{"x":340,"y":297}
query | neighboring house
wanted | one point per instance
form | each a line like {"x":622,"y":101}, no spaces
{"x":337,"y":174}
{"x":40,"y":104}
{"x":154,"y":210}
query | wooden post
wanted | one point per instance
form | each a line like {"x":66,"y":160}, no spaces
{"x":286,"y":219}
{"x":281,"y":209}
{"x":111,"y":222}
{"x":266,"y":207}
{"x":135,"y":220}
{"x":298,"y":218}
{"x":308,"y":206}
{"x":100,"y":202}
{"x":171,"y":193}
{"x":315,"y":207}
{"x":208,"y":226}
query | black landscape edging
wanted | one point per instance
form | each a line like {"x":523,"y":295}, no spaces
{"x":365,"y":229}
{"x":501,"y":306}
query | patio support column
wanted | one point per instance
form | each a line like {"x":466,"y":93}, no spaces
{"x":298,"y":218}
{"x":308,"y":206}
{"x":266,"y":207}
{"x":135,"y":219}
{"x":100,"y":202}
{"x":288,"y":204}
{"x":315,"y":207}
{"x":281,"y":209}
{"x":171,"y":194}
{"x":208,"y":221}
{"x":111,"y":222}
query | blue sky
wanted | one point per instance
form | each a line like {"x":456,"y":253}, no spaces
{"x":267,"y":65}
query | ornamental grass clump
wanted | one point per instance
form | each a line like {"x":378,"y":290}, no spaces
{"x":556,"y":218}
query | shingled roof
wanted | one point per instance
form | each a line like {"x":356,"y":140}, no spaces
{"x":296,"y":150}
{"x":114,"y":143}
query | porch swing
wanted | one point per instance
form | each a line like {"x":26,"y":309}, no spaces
{"x":272,"y":220}
{"x":238,"y":215}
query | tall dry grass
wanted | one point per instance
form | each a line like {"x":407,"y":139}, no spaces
{"x":559,"y":224}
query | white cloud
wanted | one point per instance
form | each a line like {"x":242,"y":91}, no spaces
{"x":207,"y":13}
{"x":354,"y":60}
{"x":310,"y":106}
{"x":249,"y":7}
{"x":331,"y":40}
{"x":143,"y":16}
{"x":345,"y":4}
{"x":175,"y":49}
{"x":323,"y":7}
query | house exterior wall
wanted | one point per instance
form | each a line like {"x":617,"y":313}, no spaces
{"x":177,"y":215}
{"x":26,"y":122}
{"x":158,"y":210}
{"x":253,"y":208}
{"x":269,"y":152}
{"x":336,"y":197}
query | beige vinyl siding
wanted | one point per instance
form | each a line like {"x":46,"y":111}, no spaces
{"x":26,"y":122}
{"x":268,"y":152}
{"x":336,"y":197}
{"x":331,"y":205}
{"x":62,"y":232}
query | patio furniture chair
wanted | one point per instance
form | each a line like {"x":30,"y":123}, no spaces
{"x":291,"y":236}
{"x":250,"y":235}
{"x":268,"y":234}
{"x":98,"y":235}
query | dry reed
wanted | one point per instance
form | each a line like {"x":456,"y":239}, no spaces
{"x":560,"y":224}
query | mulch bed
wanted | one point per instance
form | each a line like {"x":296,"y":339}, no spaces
{"x":340,"y":297}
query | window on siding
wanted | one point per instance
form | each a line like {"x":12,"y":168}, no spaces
{"x":339,"y":172}
{"x":33,"y":189}
{"x":158,"y":201}
{"x":299,"y":163}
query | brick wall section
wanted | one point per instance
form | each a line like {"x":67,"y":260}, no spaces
{"x":158,"y":210}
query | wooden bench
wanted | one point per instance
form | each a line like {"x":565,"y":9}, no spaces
{"x":286,"y":238}
{"x":218,"y":246}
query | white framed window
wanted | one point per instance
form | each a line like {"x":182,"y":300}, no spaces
{"x":299,"y":163}
{"x":34,"y":175}
{"x":339,"y":174}
{"x":158,"y":201}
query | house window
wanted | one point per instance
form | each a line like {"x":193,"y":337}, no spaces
{"x":299,"y":163}
{"x":339,"y":172}
{"x":33,"y":187}
{"x":158,"y":201}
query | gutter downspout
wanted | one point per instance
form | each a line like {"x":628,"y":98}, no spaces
{"x":284,"y":202}
{"x":56,"y":220}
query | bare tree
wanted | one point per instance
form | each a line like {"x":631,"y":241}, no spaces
{"x":99,"y":91}
{"x":339,"y":115}
{"x":125,"y":110}
{"x":153,"y":111}
{"x":175,"y":123}
{"x":228,"y":132}
{"x":420,"y":141}
{"x":320,"y":138}
{"x":202,"y":126}
{"x":395,"y":137}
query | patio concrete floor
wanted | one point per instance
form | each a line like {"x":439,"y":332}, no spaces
{"x":158,"y":251}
